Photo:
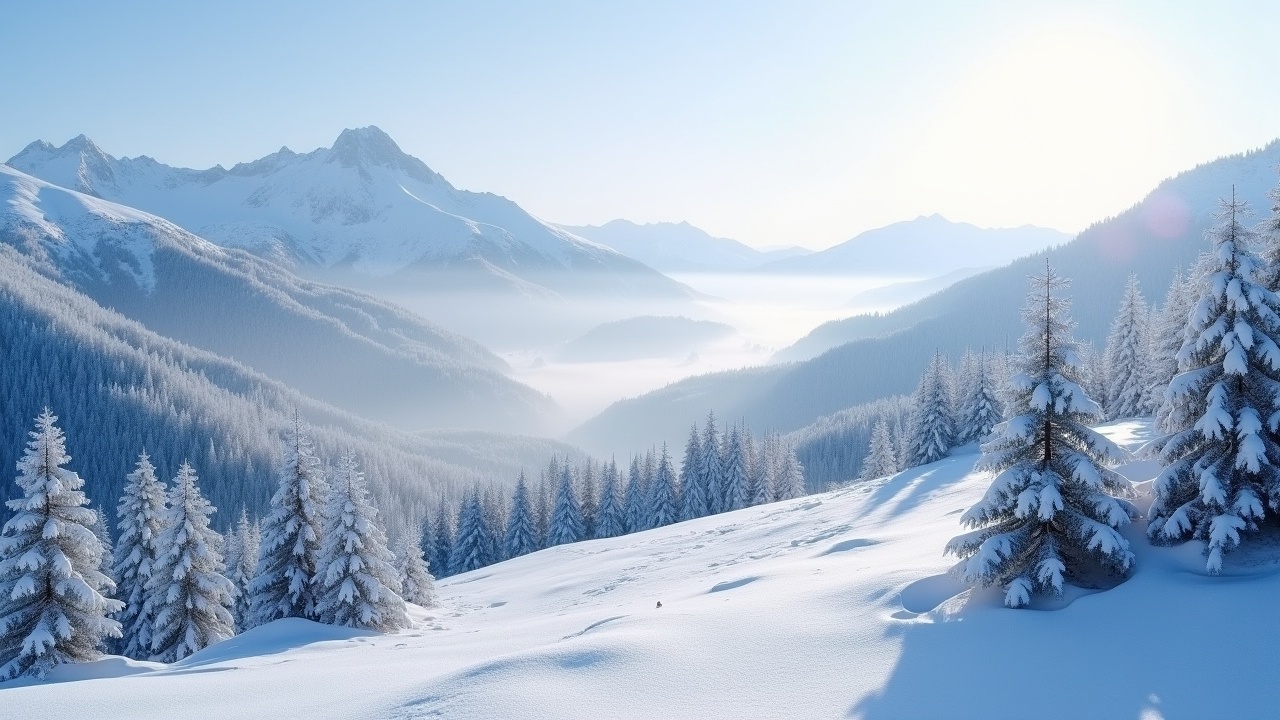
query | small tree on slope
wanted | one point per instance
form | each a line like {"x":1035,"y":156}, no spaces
{"x":521,"y":536}
{"x":1050,"y":516}
{"x":1221,"y":451}
{"x":415,"y":576}
{"x":694,"y":502}
{"x":566,"y":519}
{"x":880,"y":460}
{"x":283,"y":584}
{"x":933,"y":423}
{"x":612,"y":520}
{"x":190,"y":597}
{"x":980,"y":409}
{"x":1127,"y":356}
{"x":141,"y":515}
{"x":250,"y":541}
{"x":358,"y":583}
{"x":52,"y":604}
{"x":789,"y":483}
{"x":474,"y":542}
{"x":1167,"y":328}
{"x":662,"y":493}
{"x":736,"y":481}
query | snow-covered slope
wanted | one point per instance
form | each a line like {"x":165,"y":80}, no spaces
{"x":360,"y":209}
{"x":341,"y":346}
{"x":920,"y":248}
{"x":679,"y":247}
{"x":831,"y":606}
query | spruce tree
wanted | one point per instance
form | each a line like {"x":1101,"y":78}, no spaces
{"x":612,"y":520}
{"x":54,"y":604}
{"x":694,"y":502}
{"x":635,"y":505}
{"x":472,"y":546}
{"x":140,"y":516}
{"x":880,"y":460}
{"x":588,"y":494}
{"x":933,"y":423}
{"x":1167,"y":328}
{"x":415,"y":576}
{"x":566,"y":518}
{"x":790,"y":480}
{"x":1127,"y":356}
{"x":758,"y":490}
{"x":1052,"y":512}
{"x":711,"y":469}
{"x":284,"y":580}
{"x":1220,"y":454}
{"x":542,"y":512}
{"x":662,"y":493}
{"x":249,"y":540}
{"x":358,"y":584}
{"x":980,"y":409}
{"x":521,"y":538}
{"x":735,"y":472}
{"x":440,"y":554}
{"x":190,"y":596}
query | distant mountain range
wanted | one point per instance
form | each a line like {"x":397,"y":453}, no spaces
{"x":866,"y":357}
{"x":362,"y":212}
{"x":679,"y":247}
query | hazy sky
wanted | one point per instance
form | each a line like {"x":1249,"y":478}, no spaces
{"x":771,"y":122}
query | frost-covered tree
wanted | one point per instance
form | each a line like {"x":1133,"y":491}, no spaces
{"x":1165,"y":340}
{"x":735,"y":472}
{"x":588,"y":497}
{"x":495,"y":518}
{"x":1052,"y":512}
{"x":1220,"y":455}
{"x":663,"y":493}
{"x":441,"y":551}
{"x":933,"y":422}
{"x":106,"y":566}
{"x":358,"y":584}
{"x":980,"y":408}
{"x":248,"y":541}
{"x":140,"y":516}
{"x":190,"y":596}
{"x":789,"y":483}
{"x":635,"y":506}
{"x":611,"y":521}
{"x":284,"y":580}
{"x":1092,"y":371}
{"x":566,"y":518}
{"x":711,"y":468}
{"x":521,"y":536}
{"x":474,"y":542}
{"x":415,"y":576}
{"x":880,"y":460}
{"x":1268,"y":232}
{"x":542,"y":511}
{"x":694,"y":502}
{"x":1127,"y":356}
{"x":758,"y":490}
{"x":54,"y":604}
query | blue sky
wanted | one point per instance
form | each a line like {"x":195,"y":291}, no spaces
{"x":774,"y":123}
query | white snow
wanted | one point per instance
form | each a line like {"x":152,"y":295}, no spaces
{"x":829,"y":606}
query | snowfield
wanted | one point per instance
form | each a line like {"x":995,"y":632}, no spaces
{"x":831,"y":606}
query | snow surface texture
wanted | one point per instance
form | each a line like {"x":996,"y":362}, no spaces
{"x":828,"y":606}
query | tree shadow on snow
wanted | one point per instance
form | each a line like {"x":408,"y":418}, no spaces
{"x":910,"y":487}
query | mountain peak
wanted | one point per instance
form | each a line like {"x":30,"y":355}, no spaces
{"x":366,"y":144}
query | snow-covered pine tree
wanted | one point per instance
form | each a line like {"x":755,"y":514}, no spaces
{"x":880,"y":460}
{"x":980,"y":409}
{"x":1092,"y":371}
{"x":901,"y":442}
{"x":790,"y":481}
{"x":933,"y":422}
{"x":441,"y":551}
{"x":54,"y":604}
{"x":140,"y":514}
{"x":1268,"y":232}
{"x":284,"y":580}
{"x":1221,"y":450}
{"x":1052,"y":512}
{"x":495,"y":518}
{"x":415,"y":576}
{"x":663,"y":493}
{"x":106,"y":566}
{"x":588,"y":494}
{"x":566,"y":518}
{"x":612,"y":520}
{"x":1127,"y":356}
{"x":358,"y":584}
{"x":472,"y":546}
{"x":249,"y":541}
{"x":758,"y":490}
{"x":1167,"y":327}
{"x":634,"y":503}
{"x":190,"y":596}
{"x":521,"y":536}
{"x":694,"y":502}
{"x":735,"y":472}
{"x":542,"y":512}
{"x":711,"y":469}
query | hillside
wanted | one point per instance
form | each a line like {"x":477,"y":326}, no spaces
{"x":343,"y":347}
{"x":830,"y":606}
{"x":679,"y":247}
{"x":646,"y":336}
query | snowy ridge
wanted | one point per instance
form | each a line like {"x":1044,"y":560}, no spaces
{"x":829,"y":606}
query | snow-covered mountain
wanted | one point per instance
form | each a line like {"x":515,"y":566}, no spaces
{"x":362,"y":212}
{"x":679,"y":247}
{"x":921,"y":248}
{"x":836,"y":605}
{"x":340,"y":346}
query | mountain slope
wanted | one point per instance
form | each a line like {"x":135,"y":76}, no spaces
{"x":831,"y":606}
{"x":679,"y":247}
{"x":924,"y":247}
{"x":340,"y":346}
{"x":360,"y":211}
